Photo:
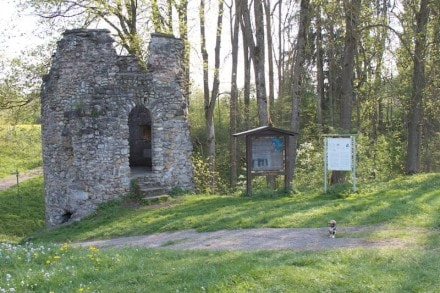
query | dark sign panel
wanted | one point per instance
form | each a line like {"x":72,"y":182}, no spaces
{"x":267,"y":154}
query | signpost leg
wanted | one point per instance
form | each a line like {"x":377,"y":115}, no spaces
{"x":325,"y":165}
{"x":353,"y":171}
{"x":248,"y":166}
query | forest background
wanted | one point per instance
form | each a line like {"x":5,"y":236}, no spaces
{"x":364,"y":67}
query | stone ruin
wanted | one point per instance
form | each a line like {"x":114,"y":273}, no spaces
{"x":106,"y":120}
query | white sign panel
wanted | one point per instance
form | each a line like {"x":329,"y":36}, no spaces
{"x":339,"y":154}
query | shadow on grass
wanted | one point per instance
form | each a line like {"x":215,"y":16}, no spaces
{"x":407,"y":201}
{"x":358,"y":270}
{"x":22,"y":210}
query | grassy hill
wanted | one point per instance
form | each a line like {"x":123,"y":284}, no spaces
{"x":405,"y":203}
{"x":402,"y":202}
{"x":20,"y":148}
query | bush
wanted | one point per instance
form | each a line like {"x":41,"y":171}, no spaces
{"x":205,"y":180}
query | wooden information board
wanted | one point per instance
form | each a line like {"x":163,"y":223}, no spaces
{"x":267,"y":150}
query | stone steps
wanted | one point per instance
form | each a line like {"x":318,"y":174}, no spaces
{"x":148,"y":190}
{"x":153,"y":193}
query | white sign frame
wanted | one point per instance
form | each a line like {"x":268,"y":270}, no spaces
{"x":340,"y":155}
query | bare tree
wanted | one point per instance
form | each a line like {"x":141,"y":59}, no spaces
{"x":210,"y":98}
{"x":121,"y":16}
{"x":270,"y":48}
{"x":256,"y":49}
{"x":233,"y":123}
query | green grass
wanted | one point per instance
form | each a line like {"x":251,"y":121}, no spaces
{"x":403,"y":205}
{"x":64,"y":268}
{"x":20,"y":148}
{"x":22,"y":210}
{"x":402,"y":202}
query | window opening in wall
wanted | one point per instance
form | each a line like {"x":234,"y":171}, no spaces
{"x":139,"y":123}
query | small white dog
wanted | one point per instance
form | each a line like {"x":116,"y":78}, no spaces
{"x":332,"y":229}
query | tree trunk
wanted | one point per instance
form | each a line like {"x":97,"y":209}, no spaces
{"x":351,"y":16}
{"x":319,"y":70}
{"x":259,"y":60}
{"x":331,"y":78}
{"x":351,"y":8}
{"x":415,"y":111}
{"x":257,"y":54}
{"x":280,"y":65}
{"x":235,"y":25}
{"x":247,"y":85}
{"x":268,"y":15}
{"x":246,"y":65}
{"x":183,"y":30}
{"x":297,"y":73}
{"x":210,"y":99}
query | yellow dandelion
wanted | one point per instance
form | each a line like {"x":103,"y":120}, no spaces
{"x":64,"y":247}
{"x":93,"y":249}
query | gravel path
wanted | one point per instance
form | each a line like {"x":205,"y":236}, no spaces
{"x":251,"y":239}
{"x":244,"y":239}
{"x":9,"y":181}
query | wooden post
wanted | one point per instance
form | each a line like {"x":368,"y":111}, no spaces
{"x":249,"y":165}
{"x":261,"y":139}
{"x":287,"y":164}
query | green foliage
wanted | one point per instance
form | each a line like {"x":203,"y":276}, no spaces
{"x":20,"y":82}
{"x":205,"y":181}
{"x":267,"y":193}
{"x":20,"y":148}
{"x":381,"y":159}
{"x":309,"y":166}
{"x":135,"y":191}
{"x":177,"y":191}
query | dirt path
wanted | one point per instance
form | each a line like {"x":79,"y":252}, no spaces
{"x":254,"y":239}
{"x":9,"y":181}
{"x":246,"y":239}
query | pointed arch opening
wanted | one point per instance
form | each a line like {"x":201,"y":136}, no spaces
{"x":140,"y":137}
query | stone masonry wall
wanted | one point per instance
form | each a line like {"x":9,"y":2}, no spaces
{"x":86,"y":101}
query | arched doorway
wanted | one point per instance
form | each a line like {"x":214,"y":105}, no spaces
{"x":139,"y":123}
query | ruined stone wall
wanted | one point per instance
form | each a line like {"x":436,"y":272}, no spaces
{"x":87,"y":98}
